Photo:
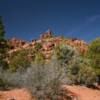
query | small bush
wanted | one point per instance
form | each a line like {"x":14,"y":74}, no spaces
{"x":86,"y":76}
{"x":39,"y":58}
{"x":44,"y":80}
{"x":77,"y":68}
{"x":80,"y":72}
{"x":20,"y":59}
{"x":38,"y":46}
{"x":94,"y":56}
{"x":64,"y":53}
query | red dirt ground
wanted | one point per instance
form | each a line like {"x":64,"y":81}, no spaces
{"x":16,"y":94}
{"x":83,"y":93}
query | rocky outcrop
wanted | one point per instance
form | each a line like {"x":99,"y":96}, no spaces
{"x":80,"y":45}
{"x":48,"y":43}
{"x":46,"y":35}
{"x":16,"y":43}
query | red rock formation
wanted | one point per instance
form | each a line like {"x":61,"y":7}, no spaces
{"x":80,"y":45}
{"x":48,"y":42}
{"x":15,"y":43}
{"x":45,"y":35}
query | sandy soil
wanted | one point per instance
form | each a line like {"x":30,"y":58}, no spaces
{"x":16,"y":94}
{"x":83,"y":93}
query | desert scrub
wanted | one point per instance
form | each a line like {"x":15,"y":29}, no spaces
{"x":20,"y":59}
{"x":78,"y":69}
{"x":43,"y":80}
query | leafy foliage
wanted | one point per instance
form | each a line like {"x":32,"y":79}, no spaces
{"x":80,"y":72}
{"x":19,"y":60}
{"x":78,"y":69}
{"x":94,"y":55}
{"x":65,"y":53}
{"x":23,"y":59}
{"x":39,"y":58}
{"x":38,"y":46}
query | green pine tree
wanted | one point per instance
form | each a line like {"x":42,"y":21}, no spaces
{"x":3,"y":44}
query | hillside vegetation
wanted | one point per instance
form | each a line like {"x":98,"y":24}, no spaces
{"x":45,"y":64}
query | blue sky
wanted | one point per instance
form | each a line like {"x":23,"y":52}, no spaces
{"x":27,"y":19}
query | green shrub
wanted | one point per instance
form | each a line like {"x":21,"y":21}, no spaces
{"x":39,"y":57}
{"x":77,"y":67}
{"x":94,"y":56}
{"x":86,"y":76}
{"x":19,"y":60}
{"x":38,"y":46}
{"x":65,"y":53}
{"x":80,"y":72}
{"x":43,"y":80}
{"x":94,"y":53}
{"x":3,"y":45}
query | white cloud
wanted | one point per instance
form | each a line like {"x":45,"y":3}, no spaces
{"x":93,"y":18}
{"x":85,"y":24}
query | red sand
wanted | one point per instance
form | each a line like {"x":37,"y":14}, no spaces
{"x":83,"y":93}
{"x":16,"y":94}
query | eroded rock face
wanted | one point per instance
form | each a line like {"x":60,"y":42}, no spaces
{"x":48,"y":42}
{"x":80,"y":45}
{"x":15,"y":43}
{"x":46,"y":35}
